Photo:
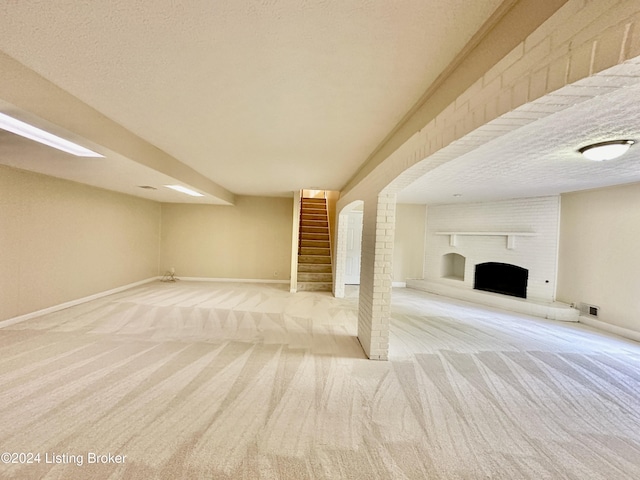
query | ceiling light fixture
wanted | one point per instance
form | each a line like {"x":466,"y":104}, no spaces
{"x":606,"y":150}
{"x":18,"y":127}
{"x":188,"y":191}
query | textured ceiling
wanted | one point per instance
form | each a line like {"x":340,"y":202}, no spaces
{"x":541,"y":158}
{"x":263,"y":97}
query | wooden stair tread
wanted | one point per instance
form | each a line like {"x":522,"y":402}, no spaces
{"x":315,"y":277}
{"x":324,"y":259}
{"x":315,"y":286}
{"x":314,"y":267}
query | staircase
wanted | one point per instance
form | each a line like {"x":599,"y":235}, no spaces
{"x":314,"y":250}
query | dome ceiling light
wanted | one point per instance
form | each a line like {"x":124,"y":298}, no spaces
{"x":606,"y":150}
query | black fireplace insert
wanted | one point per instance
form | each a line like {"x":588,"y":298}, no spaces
{"x":502,"y":278}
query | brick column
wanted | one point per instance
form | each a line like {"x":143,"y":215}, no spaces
{"x":376,"y":274}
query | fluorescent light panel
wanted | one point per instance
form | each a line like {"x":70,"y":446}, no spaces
{"x":188,"y":191}
{"x":18,"y":127}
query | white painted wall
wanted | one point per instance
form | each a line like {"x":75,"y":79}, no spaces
{"x":600,"y":253}
{"x":353,"y":248}
{"x":408,"y":248}
{"x":537,"y":253}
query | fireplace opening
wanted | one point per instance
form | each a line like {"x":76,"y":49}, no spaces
{"x":502,"y":278}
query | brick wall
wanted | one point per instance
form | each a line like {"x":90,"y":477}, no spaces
{"x":537,"y":253}
{"x":586,"y":48}
{"x":376,"y":271}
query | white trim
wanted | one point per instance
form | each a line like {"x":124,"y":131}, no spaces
{"x":73,"y":303}
{"x":399,"y":284}
{"x":231,"y":280}
{"x":608,"y":327}
{"x":295,"y":236}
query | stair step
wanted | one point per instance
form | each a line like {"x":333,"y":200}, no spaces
{"x":313,"y":217}
{"x":314,"y":251}
{"x":314,"y":206}
{"x":319,"y":213}
{"x":314,"y":286}
{"x":315,"y":277}
{"x":313,"y":200}
{"x":314,"y":259}
{"x":313,"y":222}
{"x":314,"y":236}
{"x":323,"y":243}
{"x":304,"y":229}
{"x":313,"y":267}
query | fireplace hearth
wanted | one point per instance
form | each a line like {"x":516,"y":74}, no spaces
{"x":501,"y":278}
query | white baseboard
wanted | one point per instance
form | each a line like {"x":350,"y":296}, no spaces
{"x":73,"y":303}
{"x":231,"y":280}
{"x":608,"y":327}
{"x":399,"y":284}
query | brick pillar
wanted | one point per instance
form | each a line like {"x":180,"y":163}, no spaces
{"x":376,"y":274}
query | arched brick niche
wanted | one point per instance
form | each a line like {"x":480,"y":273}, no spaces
{"x":453,"y":266}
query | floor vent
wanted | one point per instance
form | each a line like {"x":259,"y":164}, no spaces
{"x":591,"y":310}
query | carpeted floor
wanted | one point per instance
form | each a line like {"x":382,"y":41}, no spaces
{"x":232,"y":381}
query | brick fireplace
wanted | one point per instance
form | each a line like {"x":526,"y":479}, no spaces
{"x":495,"y":253}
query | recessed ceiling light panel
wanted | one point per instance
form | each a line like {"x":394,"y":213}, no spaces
{"x":181,"y":189}
{"x":18,"y":127}
{"x":606,"y":150}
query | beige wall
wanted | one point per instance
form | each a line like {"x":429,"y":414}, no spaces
{"x":599,"y":257}
{"x":60,"y":241}
{"x":251,"y":240}
{"x":408,"y":249}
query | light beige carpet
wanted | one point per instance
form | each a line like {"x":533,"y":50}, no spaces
{"x":231,"y":381}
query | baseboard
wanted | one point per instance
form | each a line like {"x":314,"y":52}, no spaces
{"x":399,"y":284}
{"x":73,"y":303}
{"x":231,"y":280}
{"x":608,"y":327}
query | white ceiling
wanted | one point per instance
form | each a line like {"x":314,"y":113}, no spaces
{"x":262,"y":97}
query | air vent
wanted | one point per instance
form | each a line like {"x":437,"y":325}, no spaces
{"x":147,"y":187}
{"x":586,"y":309}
